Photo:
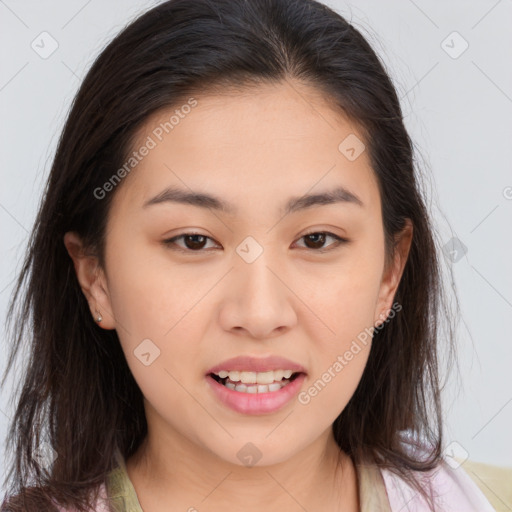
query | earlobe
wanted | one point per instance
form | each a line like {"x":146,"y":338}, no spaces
{"x":393,"y":274}
{"x":91,"y":279}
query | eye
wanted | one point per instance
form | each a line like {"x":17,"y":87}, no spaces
{"x":195,"y":242}
{"x":317,"y":239}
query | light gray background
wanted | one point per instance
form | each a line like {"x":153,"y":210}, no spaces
{"x":458,"y":111}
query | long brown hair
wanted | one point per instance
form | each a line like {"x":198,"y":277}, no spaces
{"x":78,"y":396}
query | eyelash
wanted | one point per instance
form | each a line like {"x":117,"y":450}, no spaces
{"x":171,"y":241}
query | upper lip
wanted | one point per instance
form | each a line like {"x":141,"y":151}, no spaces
{"x":257,"y":364}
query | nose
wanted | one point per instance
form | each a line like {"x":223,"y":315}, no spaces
{"x":259,"y":302}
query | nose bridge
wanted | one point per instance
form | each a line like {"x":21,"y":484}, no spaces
{"x":261,"y":298}
{"x":253,"y":270}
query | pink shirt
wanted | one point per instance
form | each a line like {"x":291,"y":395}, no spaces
{"x":455,"y":490}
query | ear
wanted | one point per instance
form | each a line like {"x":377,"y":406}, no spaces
{"x":393,"y":273}
{"x":91,"y":279}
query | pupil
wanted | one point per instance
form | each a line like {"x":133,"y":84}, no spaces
{"x":317,"y":243}
{"x":195,"y":245}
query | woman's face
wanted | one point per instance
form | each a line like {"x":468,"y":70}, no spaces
{"x":250,"y":282}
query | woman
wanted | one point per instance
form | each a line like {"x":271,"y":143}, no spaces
{"x":233,"y":283}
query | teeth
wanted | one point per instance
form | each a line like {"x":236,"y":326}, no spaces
{"x":248,"y":377}
{"x":256,"y":377}
{"x":260,"y":388}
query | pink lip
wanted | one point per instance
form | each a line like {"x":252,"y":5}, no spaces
{"x":256,"y":403}
{"x":257,"y":364}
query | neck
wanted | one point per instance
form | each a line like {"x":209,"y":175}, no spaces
{"x":176,"y":474}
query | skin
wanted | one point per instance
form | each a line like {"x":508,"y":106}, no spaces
{"x":255,"y":150}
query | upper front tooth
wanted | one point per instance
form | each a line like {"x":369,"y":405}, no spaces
{"x":248,"y":377}
{"x":265,"y":377}
{"x":256,"y":377}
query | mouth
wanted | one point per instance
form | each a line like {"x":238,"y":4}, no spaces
{"x":252,"y":393}
{"x":255,"y":382}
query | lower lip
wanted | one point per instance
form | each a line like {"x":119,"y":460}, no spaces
{"x":256,"y":403}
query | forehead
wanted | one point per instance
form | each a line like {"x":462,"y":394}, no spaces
{"x":265,"y":142}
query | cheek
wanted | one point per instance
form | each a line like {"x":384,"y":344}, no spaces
{"x":338,"y":358}
{"x":149,"y":293}
{"x":332,"y":386}
{"x":343,"y":295}
{"x":157,"y":323}
{"x":344,"y":300}
{"x":340,"y":352}
{"x":157,"y":308}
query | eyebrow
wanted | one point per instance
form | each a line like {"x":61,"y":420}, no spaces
{"x":294,"y":204}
